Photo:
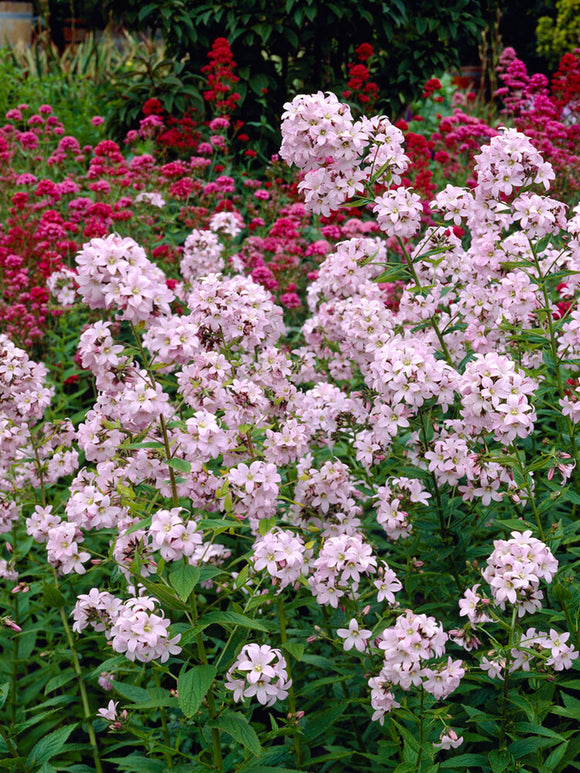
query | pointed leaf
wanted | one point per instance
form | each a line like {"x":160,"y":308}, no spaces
{"x":184,"y":579}
{"x":235,"y":724}
{"x":49,"y":746}
{"x":192,"y":687}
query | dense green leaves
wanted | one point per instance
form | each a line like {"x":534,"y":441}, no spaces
{"x":192,"y":687}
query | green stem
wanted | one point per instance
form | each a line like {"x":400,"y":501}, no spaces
{"x":291,"y":695}
{"x":554,"y":351}
{"x":421,"y":731}
{"x":164,"y":727}
{"x":432,"y":320}
{"x":215,"y":733}
{"x":165,"y":436}
{"x":504,"y":702}
{"x":10,"y":744}
{"x":15,"y":643}
{"x":81,"y":682}
{"x":162,"y":424}
{"x":524,"y":474}
{"x":571,"y":626}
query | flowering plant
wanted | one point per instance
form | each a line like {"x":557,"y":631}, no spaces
{"x":347,"y":545}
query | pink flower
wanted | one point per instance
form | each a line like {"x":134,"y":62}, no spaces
{"x":448,"y":740}
{"x":353,"y":636}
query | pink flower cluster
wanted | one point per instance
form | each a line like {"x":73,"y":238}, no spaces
{"x":320,"y":137}
{"x":134,"y":627}
{"x":259,"y":671}
{"x":514,"y":571}
{"x":413,"y":640}
{"x":115,"y":272}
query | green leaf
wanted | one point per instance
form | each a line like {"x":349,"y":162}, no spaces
{"x":49,"y":746}
{"x":163,"y":593}
{"x":147,"y":10}
{"x":52,"y":596}
{"x":235,"y":724}
{"x":294,"y":648}
{"x":192,"y":687}
{"x":265,"y":525}
{"x":184,"y":579}
{"x":561,"y":593}
{"x":4,"y":692}
{"x":181,"y":465}
{"x":59,"y":680}
{"x":556,"y":756}
{"x":478,"y":761}
{"x":421,"y":25}
{"x":136,"y":764}
{"x":131,"y":692}
{"x":259,"y":81}
{"x":319,"y":722}
{"x":499,"y":760}
{"x":524,"y":746}
{"x":233,"y":618}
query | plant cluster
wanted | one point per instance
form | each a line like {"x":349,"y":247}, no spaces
{"x":291,"y":482}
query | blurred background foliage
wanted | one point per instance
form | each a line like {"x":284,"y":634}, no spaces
{"x":157,"y":49}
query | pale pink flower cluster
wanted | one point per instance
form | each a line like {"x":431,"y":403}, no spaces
{"x":318,"y":126}
{"x":539,"y":216}
{"x":407,"y":371}
{"x":570,"y":405}
{"x":135,"y":628}
{"x":62,"y":548}
{"x":354,"y":636}
{"x":97,"y":609}
{"x":510,"y":161}
{"x":259,"y":671}
{"x":337,"y":154}
{"x":9,"y":514}
{"x":339,"y":567}
{"x":494,"y":396}
{"x":112,"y":716}
{"x":234,"y":309}
{"x":7,"y":571}
{"x":174,"y":538}
{"x":24,"y":395}
{"x":396,"y":498}
{"x":255,"y":488}
{"x":449,"y":740}
{"x":399,"y":212}
{"x":387,"y":585}
{"x":202,"y":255}
{"x":283,"y":555}
{"x":326,"y":498}
{"x":515,"y":568}
{"x":347,"y":269}
{"x":114,"y":272}
{"x":473,"y":606}
{"x":385,"y":161}
{"x":229,"y":223}
{"x":142,"y":634}
{"x":413,"y":640}
{"x":153,"y":198}
{"x":551,"y":649}
{"x":61,"y":285}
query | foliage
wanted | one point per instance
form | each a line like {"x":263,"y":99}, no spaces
{"x":77,"y":82}
{"x":558,"y":35}
{"x":307,"y":45}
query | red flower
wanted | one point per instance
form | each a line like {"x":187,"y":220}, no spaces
{"x":364,"y":52}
